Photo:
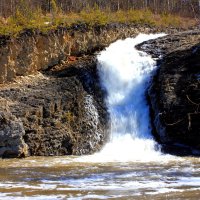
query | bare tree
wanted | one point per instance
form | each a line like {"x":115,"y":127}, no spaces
{"x":189,"y":8}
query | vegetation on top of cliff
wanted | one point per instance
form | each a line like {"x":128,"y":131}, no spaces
{"x":26,"y":17}
{"x":185,"y":8}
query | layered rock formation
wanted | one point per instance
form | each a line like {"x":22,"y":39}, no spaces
{"x":59,"y":113}
{"x":175,"y":92}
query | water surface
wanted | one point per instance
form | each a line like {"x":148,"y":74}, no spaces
{"x":72,"y":178}
{"x":130,"y":166}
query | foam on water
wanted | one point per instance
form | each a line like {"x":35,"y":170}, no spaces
{"x":125,"y":73}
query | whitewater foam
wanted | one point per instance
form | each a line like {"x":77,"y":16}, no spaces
{"x":125,"y":73}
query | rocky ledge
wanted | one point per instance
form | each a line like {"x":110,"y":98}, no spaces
{"x":174,"y":94}
{"x":59,"y":112}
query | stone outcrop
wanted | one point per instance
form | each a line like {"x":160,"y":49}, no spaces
{"x":11,"y":136}
{"x":61,"y":112}
{"x":175,"y":92}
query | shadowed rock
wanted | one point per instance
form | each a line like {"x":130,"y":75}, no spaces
{"x":175,"y":92}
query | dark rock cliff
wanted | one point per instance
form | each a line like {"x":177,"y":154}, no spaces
{"x":175,"y":92}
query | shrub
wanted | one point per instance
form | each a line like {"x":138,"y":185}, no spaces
{"x":92,"y":16}
{"x":27,"y":18}
{"x":23,"y":14}
{"x":119,"y":16}
{"x":168,"y":20}
{"x":54,"y":11}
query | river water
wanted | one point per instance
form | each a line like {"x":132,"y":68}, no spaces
{"x":130,"y":166}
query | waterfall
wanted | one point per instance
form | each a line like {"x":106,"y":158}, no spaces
{"x":125,"y":73}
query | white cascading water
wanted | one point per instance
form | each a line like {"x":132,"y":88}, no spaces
{"x":125,"y":73}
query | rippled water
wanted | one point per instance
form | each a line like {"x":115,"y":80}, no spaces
{"x":72,"y":178}
{"x":130,"y":166}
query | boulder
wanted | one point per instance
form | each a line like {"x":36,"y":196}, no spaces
{"x":11,"y":136}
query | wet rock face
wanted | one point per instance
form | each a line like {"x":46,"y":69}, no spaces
{"x":175,"y":92}
{"x":59,"y":113}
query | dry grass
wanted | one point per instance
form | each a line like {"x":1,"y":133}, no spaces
{"x":91,"y":16}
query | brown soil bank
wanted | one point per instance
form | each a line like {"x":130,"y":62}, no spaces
{"x":175,"y":92}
